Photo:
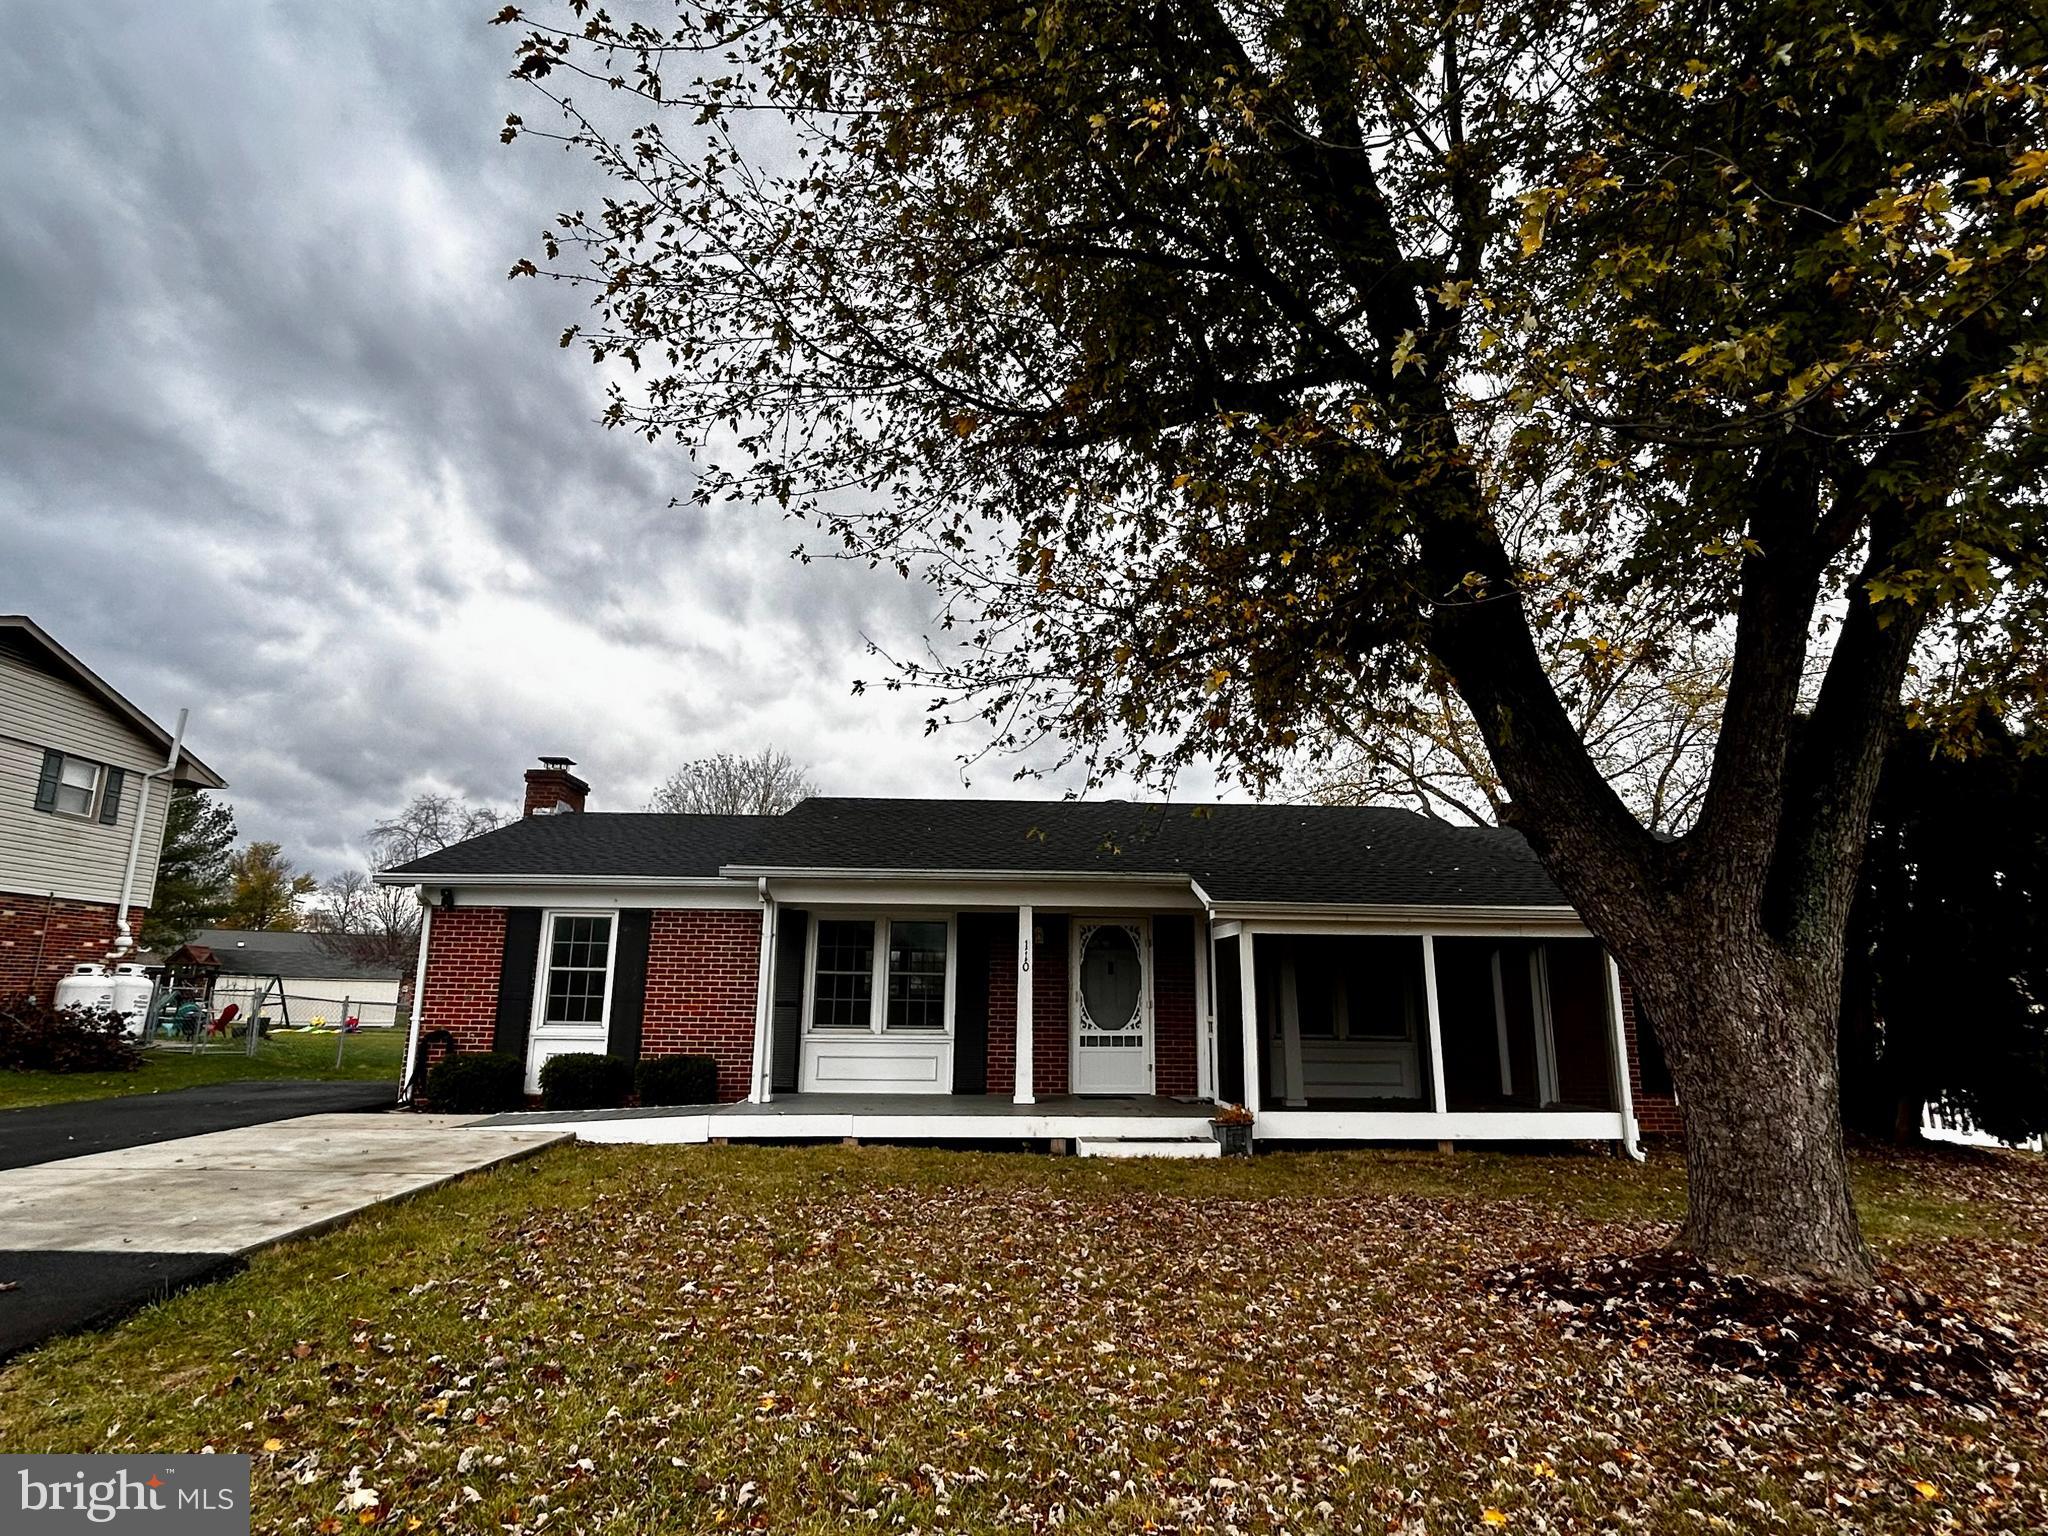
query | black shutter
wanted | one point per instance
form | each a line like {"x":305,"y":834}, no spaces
{"x":629,"y":983}
{"x":786,"y":1017}
{"x":1229,"y":1001}
{"x":46,"y":781}
{"x":110,"y":800}
{"x":970,"y":1000}
{"x":515,"y":981}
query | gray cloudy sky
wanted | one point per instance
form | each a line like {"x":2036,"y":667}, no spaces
{"x":278,"y":440}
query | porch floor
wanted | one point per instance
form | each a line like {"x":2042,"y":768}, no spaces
{"x":884,"y":1117}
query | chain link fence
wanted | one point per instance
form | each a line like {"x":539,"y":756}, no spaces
{"x":254,"y":1015}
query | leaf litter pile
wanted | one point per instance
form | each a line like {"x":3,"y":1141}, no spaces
{"x":637,"y":1340}
{"x":1904,"y":1343}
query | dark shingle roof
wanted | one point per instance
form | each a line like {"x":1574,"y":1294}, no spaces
{"x":1337,"y":855}
{"x":640,"y":843}
{"x":261,"y":952}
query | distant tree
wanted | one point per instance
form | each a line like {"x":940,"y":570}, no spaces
{"x":765,"y":784}
{"x":1946,"y":996}
{"x":194,"y":876}
{"x":1646,"y":697}
{"x":429,"y":821}
{"x":265,"y":890}
{"x":367,"y":923}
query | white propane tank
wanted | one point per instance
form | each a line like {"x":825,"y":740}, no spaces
{"x":88,"y":986}
{"x":132,"y":990}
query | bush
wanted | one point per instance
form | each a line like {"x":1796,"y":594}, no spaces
{"x":678,"y":1080}
{"x":34,"y":1037}
{"x":585,"y":1080}
{"x":481,"y":1083}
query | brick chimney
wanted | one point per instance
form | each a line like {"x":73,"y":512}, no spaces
{"x":552,"y":787}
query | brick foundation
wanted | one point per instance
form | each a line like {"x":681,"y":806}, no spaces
{"x":703,"y":968}
{"x":41,"y":940}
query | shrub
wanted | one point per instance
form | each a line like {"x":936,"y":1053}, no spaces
{"x":34,"y":1037}
{"x":678,"y":1080}
{"x":585,"y":1080}
{"x":481,"y":1083}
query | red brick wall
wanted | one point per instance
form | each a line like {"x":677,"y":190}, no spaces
{"x":703,"y":969}
{"x":68,"y":933}
{"x":1656,"y":1114}
{"x":1002,"y":1013}
{"x":464,"y":950}
{"x":1173,"y":1004}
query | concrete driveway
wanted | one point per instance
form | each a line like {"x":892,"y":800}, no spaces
{"x":51,"y":1131}
{"x":87,"y":1237}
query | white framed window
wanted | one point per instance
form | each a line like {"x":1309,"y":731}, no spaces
{"x":78,"y":785}
{"x":574,"y":988}
{"x":882,"y":975}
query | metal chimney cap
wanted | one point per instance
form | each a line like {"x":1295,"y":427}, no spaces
{"x":558,"y":762}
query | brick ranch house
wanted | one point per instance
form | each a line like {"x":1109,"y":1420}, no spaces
{"x":916,"y":968}
{"x":82,"y":802}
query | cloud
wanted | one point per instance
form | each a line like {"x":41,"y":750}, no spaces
{"x":279,"y":442}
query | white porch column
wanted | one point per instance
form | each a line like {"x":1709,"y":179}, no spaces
{"x":1439,"y":1101}
{"x":1290,"y":1037}
{"x":1205,"y":1015}
{"x":1023,"y":1094}
{"x":1248,"y":991}
{"x":1624,"y":1094}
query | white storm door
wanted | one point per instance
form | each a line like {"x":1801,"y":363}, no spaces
{"x":1111,"y":1007}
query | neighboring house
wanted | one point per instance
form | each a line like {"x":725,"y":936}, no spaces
{"x":899,"y":967}
{"x":312,"y":971}
{"x":78,"y":764}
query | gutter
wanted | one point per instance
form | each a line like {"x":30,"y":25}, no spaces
{"x":419,"y":1000}
{"x":761,"y":1090}
{"x":124,"y":938}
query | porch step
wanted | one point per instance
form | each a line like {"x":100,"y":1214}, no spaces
{"x":1147,"y":1146}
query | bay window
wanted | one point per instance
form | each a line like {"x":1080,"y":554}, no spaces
{"x":880,"y":975}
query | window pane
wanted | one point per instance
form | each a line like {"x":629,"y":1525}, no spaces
{"x":1109,"y":981}
{"x":579,"y":954}
{"x":917,"y":975}
{"x":77,"y":780}
{"x":844,"y":989}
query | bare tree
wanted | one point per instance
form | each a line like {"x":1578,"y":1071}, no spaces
{"x":429,"y":821}
{"x":765,"y":784}
{"x":1646,"y":697}
{"x":367,"y":923}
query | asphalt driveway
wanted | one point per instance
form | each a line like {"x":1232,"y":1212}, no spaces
{"x":51,"y":1131}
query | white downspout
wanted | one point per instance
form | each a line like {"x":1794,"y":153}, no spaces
{"x":1623,"y":1092}
{"x":419,"y":999}
{"x":1205,"y":996}
{"x":124,"y":939}
{"x":764,"y":1003}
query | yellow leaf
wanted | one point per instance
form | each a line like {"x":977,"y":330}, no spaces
{"x":1493,"y":1517}
{"x":1218,"y":678}
{"x":273,"y":1444}
{"x":1926,"y":1490}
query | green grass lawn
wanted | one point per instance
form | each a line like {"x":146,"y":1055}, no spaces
{"x":369,"y":1054}
{"x":633,"y":1340}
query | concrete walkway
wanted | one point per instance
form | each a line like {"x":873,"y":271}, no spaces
{"x":90,"y":1236}
{"x":47,"y":1132}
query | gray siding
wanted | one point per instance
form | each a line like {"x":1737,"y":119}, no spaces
{"x":41,"y":853}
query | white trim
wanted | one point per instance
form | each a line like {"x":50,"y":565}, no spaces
{"x":1439,"y":1097}
{"x":1506,"y":922}
{"x":901,"y":889}
{"x":1147,"y":1020}
{"x":597,"y":1036}
{"x":1624,"y":1093}
{"x":1022,"y":1093}
{"x":1423,"y":1125}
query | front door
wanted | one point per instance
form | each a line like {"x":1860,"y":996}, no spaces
{"x":1111,"y":1009}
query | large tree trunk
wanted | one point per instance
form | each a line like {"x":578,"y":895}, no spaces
{"x":1750,"y":1033}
